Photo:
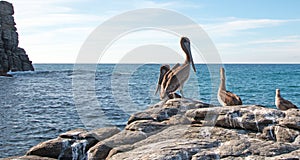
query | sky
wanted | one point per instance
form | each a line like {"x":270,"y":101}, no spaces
{"x":256,"y":31}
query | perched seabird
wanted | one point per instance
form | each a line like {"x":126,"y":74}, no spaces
{"x":164,"y":72}
{"x":173,"y":95}
{"x":281,"y":103}
{"x":225,"y":97}
{"x":178,"y":75}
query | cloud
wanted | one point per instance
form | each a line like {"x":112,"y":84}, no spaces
{"x":284,"y":39}
{"x":234,"y":25}
{"x":58,"y":20}
{"x":253,"y":40}
{"x":283,"y":49}
{"x":169,"y":4}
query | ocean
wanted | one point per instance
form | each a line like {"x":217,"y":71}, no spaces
{"x":39,"y":105}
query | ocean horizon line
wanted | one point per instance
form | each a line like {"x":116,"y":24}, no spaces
{"x":234,"y":63}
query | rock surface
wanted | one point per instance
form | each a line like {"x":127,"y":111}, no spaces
{"x":186,"y":129}
{"x":12,"y":57}
{"x":72,"y":144}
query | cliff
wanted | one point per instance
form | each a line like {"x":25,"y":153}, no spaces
{"x":184,"y":129}
{"x":12,"y":57}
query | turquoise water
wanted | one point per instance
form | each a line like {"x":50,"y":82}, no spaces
{"x":37,"y":106}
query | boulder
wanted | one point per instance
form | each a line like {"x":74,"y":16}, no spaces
{"x":55,"y":148}
{"x":72,"y":144}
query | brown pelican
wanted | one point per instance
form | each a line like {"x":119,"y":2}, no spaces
{"x":164,"y":72}
{"x":178,"y":75}
{"x":281,"y":103}
{"x":227,"y":98}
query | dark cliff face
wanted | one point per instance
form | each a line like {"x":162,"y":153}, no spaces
{"x":12,"y":57}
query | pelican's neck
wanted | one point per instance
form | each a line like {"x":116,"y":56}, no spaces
{"x":222,"y":84}
{"x":277,"y":94}
{"x":187,"y":58}
{"x":223,"y":79}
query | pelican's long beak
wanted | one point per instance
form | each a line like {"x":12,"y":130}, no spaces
{"x":188,"y":48}
{"x":193,"y":65}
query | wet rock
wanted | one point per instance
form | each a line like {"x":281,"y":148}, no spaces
{"x":73,"y":134}
{"x":24,"y":63}
{"x":5,"y":74}
{"x":53,"y":148}
{"x":12,"y":57}
{"x":72,"y":144}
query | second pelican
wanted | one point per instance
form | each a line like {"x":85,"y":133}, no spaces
{"x":178,"y":75}
{"x":282,"y":103}
{"x":225,"y":97}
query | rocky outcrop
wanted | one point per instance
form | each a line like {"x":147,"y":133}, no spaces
{"x":12,"y":57}
{"x":186,"y":129}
